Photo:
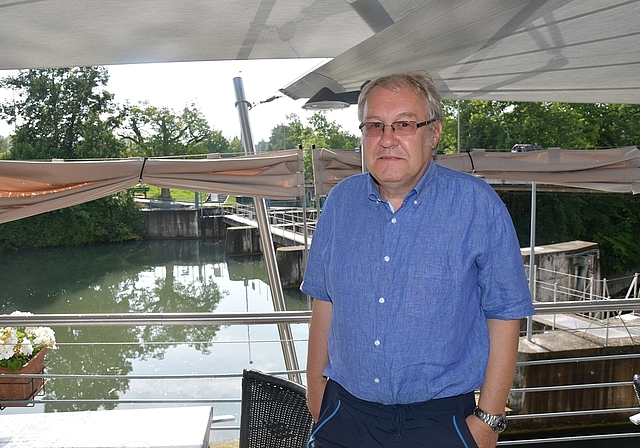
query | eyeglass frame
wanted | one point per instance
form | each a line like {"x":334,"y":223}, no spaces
{"x":418,"y":125}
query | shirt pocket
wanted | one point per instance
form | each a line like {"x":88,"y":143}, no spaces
{"x":429,"y":295}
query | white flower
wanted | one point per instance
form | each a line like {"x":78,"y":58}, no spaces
{"x":6,"y":351}
{"x":20,"y":343}
{"x":24,"y":348}
{"x":8,"y":341}
{"x":42,"y":336}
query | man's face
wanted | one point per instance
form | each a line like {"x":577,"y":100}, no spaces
{"x":398,"y":162}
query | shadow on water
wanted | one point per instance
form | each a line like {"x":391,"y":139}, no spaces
{"x":142,"y":277}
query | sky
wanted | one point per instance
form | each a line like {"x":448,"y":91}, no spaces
{"x":210,"y":86}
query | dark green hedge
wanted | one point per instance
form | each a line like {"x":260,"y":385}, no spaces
{"x":112,"y":219}
{"x":611,"y":220}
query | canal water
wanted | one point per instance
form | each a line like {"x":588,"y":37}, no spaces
{"x":150,"y":276}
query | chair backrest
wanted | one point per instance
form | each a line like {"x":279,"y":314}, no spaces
{"x":274,"y":412}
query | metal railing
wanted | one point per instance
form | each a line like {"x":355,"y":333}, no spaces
{"x":263,"y":318}
{"x":287,"y":218}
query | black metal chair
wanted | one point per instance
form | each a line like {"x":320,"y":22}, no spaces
{"x":274,"y":412}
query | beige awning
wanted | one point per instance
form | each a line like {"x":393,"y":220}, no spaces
{"x":331,"y":166}
{"x":29,"y":188}
{"x":610,"y":170}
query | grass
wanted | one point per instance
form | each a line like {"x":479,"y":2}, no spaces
{"x":176,"y":195}
{"x":183,"y":195}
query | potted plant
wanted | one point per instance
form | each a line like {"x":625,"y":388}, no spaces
{"x":22,"y":351}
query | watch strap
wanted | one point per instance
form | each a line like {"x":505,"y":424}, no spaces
{"x":497,"y":423}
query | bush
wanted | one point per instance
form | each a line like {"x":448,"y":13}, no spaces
{"x":112,"y":219}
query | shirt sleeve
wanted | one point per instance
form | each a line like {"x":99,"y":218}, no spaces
{"x":314,"y":280}
{"x":502,"y":278}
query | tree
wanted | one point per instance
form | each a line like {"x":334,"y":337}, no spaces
{"x":160,"y":131}
{"x":216,"y":143}
{"x":611,"y":124}
{"x":236,"y":146}
{"x":287,"y":136}
{"x":155,"y":132}
{"x":501,"y":124}
{"x":5,"y":146}
{"x":328,"y":134}
{"x":320,"y":133}
{"x":61,"y":113}
{"x":608,"y":219}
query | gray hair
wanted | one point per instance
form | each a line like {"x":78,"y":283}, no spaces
{"x":419,"y":82}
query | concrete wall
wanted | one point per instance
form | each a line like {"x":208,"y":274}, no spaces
{"x":290,"y":261}
{"x":182,"y":223}
{"x":556,"y":345}
{"x":242,"y":240}
{"x":565,"y":265}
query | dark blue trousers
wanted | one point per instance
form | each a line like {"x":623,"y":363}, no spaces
{"x":348,"y":422}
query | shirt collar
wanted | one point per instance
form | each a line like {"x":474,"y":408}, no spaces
{"x":417,"y":193}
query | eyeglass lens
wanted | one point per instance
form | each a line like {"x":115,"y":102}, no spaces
{"x":374,"y":128}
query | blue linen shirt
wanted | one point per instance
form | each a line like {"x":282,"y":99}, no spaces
{"x":412,"y":289}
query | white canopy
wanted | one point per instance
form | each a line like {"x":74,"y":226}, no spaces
{"x":543,"y":50}
{"x":612,"y":170}
{"x":29,"y":188}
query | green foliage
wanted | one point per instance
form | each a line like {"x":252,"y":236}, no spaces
{"x":5,"y":145}
{"x":498,"y":125}
{"x":328,"y":134}
{"x":216,"y":143}
{"x":112,"y":219}
{"x":153,"y":131}
{"x":612,"y":221}
{"x":320,"y":133}
{"x":236,"y":146}
{"x":61,"y":113}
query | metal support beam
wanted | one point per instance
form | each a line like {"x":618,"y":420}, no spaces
{"x":286,"y":336}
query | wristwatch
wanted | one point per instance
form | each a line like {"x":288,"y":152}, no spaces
{"x":497,"y":423}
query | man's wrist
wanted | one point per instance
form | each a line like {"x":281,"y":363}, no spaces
{"x":497,"y":423}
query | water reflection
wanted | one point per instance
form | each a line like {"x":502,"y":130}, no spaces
{"x":150,"y":276}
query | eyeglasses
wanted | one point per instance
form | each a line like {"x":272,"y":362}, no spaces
{"x":401,"y":128}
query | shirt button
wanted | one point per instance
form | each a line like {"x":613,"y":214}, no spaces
{"x":381,"y":300}
{"x":394,"y":220}
{"x":386,"y":258}
{"x":377,"y":343}
{"x":376,"y":380}
{"x":415,"y":202}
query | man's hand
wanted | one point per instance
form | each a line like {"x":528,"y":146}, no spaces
{"x":315,"y":392}
{"x":317,"y":355}
{"x":482,"y":433}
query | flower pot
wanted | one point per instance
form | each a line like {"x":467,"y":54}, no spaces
{"x":22,"y":388}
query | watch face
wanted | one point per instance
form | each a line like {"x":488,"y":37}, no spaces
{"x":501,"y":424}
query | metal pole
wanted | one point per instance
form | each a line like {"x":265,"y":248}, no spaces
{"x":532,"y":253}
{"x":286,"y":335}
{"x":458,"y":103}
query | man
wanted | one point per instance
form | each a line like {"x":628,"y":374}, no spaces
{"x":419,"y":288}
